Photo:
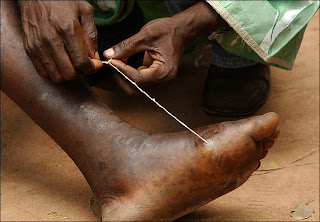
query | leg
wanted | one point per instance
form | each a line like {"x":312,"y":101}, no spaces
{"x":135,"y":174}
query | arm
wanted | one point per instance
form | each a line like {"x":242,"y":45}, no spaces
{"x":60,"y":38}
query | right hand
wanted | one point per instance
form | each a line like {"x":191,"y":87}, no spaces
{"x":60,"y":38}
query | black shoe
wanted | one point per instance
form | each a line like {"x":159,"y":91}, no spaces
{"x":236,"y":92}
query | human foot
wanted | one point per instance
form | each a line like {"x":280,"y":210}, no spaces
{"x":165,"y":176}
{"x":136,"y":175}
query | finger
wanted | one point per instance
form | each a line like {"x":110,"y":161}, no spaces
{"x":78,"y":52}
{"x":97,"y":63}
{"x":143,"y":77}
{"x":273,"y":136}
{"x":44,"y":53}
{"x":52,"y":68}
{"x":35,"y":59}
{"x":124,"y":84}
{"x":147,"y":60}
{"x":88,"y":24}
{"x":62,"y":59}
{"x":125,"y":60}
{"x":129,"y":47}
{"x":142,"y":67}
{"x":40,"y":55}
{"x":267,"y":145}
{"x":38,"y":65}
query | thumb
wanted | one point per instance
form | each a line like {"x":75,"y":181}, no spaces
{"x":128,"y":47}
{"x":89,"y":28}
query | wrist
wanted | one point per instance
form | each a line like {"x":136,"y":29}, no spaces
{"x":197,"y":20}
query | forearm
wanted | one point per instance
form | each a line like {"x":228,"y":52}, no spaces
{"x":198,"y":20}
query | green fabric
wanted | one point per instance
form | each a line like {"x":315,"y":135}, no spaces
{"x":264,"y":31}
{"x":153,"y":9}
{"x":116,"y":10}
{"x":108,"y":12}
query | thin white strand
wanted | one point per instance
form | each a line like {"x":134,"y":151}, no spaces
{"x":153,"y":100}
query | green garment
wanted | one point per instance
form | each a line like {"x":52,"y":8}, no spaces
{"x":264,"y":31}
{"x":108,"y":12}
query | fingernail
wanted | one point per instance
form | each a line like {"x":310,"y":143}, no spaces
{"x":96,"y":54}
{"x":109,"y":52}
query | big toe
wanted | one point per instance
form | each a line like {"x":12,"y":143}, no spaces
{"x":263,"y":127}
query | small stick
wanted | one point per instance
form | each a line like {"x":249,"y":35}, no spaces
{"x":153,"y":100}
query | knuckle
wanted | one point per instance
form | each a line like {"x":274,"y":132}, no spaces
{"x":166,"y":74}
{"x":59,"y":24}
{"x":137,"y":78}
{"x":57,"y":79}
{"x":65,"y":26}
{"x":155,"y":45}
{"x":49,"y":37}
{"x":82,"y":64}
{"x":46,"y":62}
{"x":148,"y":32}
{"x":87,"y":8}
{"x":29,"y":46}
{"x":37,"y":45}
{"x":126,"y":44}
{"x":93,"y":34}
{"x":161,"y":74}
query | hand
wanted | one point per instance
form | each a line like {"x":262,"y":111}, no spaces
{"x":163,"y":41}
{"x":60,"y":38}
{"x":163,"y":45}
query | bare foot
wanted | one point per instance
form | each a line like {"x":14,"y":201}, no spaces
{"x":135,"y":175}
{"x":165,"y":176}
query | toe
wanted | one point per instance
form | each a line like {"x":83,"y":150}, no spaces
{"x":267,"y":145}
{"x":264,"y":154}
{"x":264,"y":127}
{"x":273,"y":136}
{"x":259,"y":164}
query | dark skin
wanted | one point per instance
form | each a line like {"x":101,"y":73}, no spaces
{"x":60,"y":38}
{"x":135,"y":175}
{"x":163,"y":41}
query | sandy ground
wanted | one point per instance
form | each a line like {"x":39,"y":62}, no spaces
{"x":40,"y":183}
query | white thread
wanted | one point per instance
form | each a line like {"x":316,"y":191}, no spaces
{"x":153,"y":100}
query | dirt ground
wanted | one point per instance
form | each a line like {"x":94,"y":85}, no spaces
{"x":40,"y":183}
